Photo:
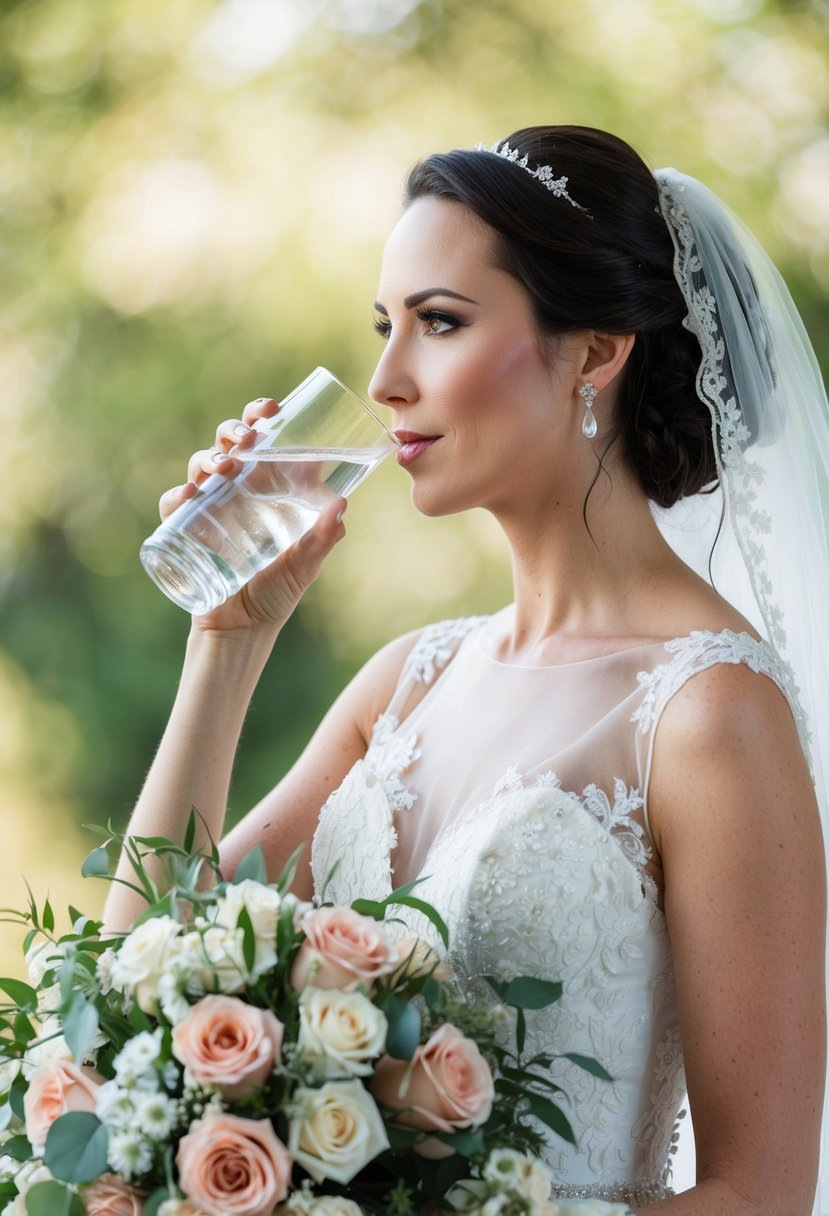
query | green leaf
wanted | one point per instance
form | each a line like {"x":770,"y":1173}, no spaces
{"x":244,"y":923}
{"x":22,"y":994}
{"x":52,"y":1199}
{"x":370,"y":907}
{"x":48,"y":917}
{"x":76,"y":1147}
{"x":428,"y":911}
{"x":18,"y":1148}
{"x":589,"y":1065}
{"x":404,"y":1028}
{"x":190,"y":831}
{"x":552,"y":1115}
{"x":80,"y":1026}
{"x":96,"y":864}
{"x":528,"y":993}
{"x":467,"y":1143}
{"x":252,"y":866}
{"x":401,"y":1137}
{"x":155,"y":1200}
{"x":520,"y":1030}
{"x":18,"y":1089}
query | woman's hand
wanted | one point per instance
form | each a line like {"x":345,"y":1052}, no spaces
{"x":271,"y":596}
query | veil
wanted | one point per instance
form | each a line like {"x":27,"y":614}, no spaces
{"x":768,"y":521}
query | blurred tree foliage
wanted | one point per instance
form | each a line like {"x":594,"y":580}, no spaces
{"x":193,"y":201}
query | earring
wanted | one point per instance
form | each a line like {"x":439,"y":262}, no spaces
{"x":589,"y":426}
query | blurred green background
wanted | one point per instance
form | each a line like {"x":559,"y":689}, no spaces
{"x":194,"y":198}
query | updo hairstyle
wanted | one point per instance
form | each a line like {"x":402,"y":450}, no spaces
{"x":607,"y":267}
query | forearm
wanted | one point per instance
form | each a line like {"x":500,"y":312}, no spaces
{"x":194,"y":762}
{"x":714,"y":1197}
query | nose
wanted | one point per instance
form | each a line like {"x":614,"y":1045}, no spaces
{"x":392,"y":384}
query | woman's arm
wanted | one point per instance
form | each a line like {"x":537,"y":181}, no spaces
{"x":734,"y":818}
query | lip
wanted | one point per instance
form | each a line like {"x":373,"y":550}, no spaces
{"x":412,"y":445}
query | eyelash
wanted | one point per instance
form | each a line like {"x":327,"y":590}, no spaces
{"x":382,"y":325}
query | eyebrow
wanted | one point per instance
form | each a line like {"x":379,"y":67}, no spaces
{"x":419,"y":296}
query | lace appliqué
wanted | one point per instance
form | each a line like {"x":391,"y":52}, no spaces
{"x":698,"y":651}
{"x":388,"y":757}
{"x":739,"y":474}
{"x":437,"y":645}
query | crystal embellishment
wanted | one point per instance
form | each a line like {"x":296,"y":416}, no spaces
{"x":541,"y":173}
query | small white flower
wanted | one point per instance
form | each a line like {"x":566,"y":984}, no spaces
{"x":135,"y":1063}
{"x":129,"y":1153}
{"x":115,"y":1106}
{"x":519,"y":1174}
{"x":156,"y":1115}
{"x":106,"y":962}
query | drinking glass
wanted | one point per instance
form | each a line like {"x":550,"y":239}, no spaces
{"x":323,"y":442}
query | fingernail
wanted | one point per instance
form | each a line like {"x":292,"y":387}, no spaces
{"x":340,"y":514}
{"x":241,"y":429}
{"x":220,"y":457}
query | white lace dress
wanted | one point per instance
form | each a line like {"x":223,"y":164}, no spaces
{"x":464,"y":783}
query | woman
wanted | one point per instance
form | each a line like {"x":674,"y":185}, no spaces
{"x":532,"y":301}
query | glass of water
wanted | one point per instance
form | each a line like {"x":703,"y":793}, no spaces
{"x":320,"y":445}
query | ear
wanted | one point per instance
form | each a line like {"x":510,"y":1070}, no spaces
{"x":604,"y":357}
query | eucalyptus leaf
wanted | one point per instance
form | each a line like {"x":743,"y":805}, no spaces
{"x":244,"y":923}
{"x":80,"y":1025}
{"x":96,"y":864}
{"x":18,"y":1148}
{"x":76,"y":1147}
{"x":252,"y":866}
{"x":404,"y":1028}
{"x":52,"y":1199}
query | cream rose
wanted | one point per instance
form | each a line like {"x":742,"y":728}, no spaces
{"x":262,"y":905}
{"x":417,"y":958}
{"x":233,"y":1167}
{"x":143,"y":956}
{"x":340,"y":1130}
{"x":334,"y":1205}
{"x":229,"y":1044}
{"x":340,"y":1032}
{"x":342,"y":949}
{"x":54,"y":1090}
{"x":447,"y":1084}
{"x":109,"y":1195}
{"x":179,"y":1207}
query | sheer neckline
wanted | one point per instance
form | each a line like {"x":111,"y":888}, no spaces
{"x":485,"y":636}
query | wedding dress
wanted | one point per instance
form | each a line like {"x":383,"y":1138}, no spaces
{"x":519,"y":795}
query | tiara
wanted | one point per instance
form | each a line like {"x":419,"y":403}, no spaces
{"x":543,"y":173}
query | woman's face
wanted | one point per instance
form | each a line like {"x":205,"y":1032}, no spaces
{"x":483,"y":403}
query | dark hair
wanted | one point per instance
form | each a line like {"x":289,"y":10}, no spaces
{"x":606,"y":264}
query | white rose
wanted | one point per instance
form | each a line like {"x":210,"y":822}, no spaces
{"x":262,"y":904}
{"x":50,"y":1045}
{"x":142,"y":958}
{"x":44,"y":956}
{"x":340,"y":1032}
{"x":338,"y":1132}
{"x":334,"y":1205}
{"x":215,"y":958}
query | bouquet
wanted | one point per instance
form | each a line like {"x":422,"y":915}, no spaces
{"x":240,"y":1052}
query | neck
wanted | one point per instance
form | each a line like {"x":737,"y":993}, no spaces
{"x":598,"y":582}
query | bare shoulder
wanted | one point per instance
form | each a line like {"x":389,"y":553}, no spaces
{"x":727,"y":747}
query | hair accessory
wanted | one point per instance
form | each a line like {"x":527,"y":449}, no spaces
{"x":543,"y":173}
{"x":589,"y":426}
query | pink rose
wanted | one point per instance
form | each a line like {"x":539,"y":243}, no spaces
{"x":227,"y":1043}
{"x":342,"y":949}
{"x":111,"y":1196}
{"x":450,"y":1084}
{"x":233,"y":1167}
{"x":54,"y":1090}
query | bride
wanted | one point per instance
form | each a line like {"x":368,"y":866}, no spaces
{"x":608,"y":782}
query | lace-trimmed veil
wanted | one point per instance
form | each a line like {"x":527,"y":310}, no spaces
{"x":770,"y":420}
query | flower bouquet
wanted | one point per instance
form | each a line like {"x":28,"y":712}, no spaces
{"x":242,"y":1053}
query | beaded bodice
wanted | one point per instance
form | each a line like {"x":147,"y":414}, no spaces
{"x":519,"y":796}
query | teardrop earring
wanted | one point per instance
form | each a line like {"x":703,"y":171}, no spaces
{"x":589,"y":426}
